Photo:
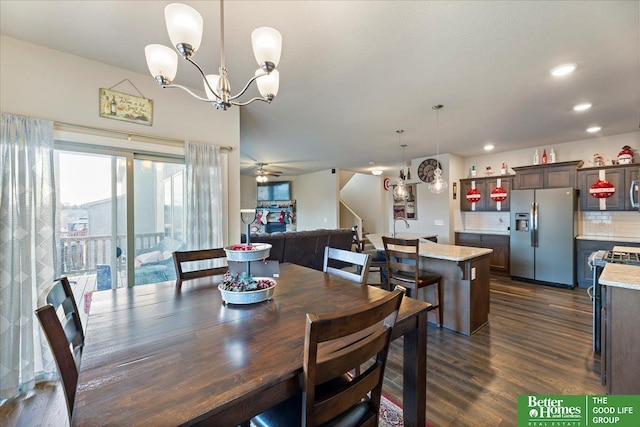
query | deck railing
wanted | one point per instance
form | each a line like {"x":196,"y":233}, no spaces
{"x":83,"y":254}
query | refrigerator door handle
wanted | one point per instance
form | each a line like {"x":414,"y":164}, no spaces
{"x":532,"y":232}
{"x":535,"y":225}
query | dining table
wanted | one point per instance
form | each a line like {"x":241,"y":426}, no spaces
{"x":162,"y":356}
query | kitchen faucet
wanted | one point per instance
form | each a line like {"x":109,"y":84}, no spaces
{"x":394,"y":224}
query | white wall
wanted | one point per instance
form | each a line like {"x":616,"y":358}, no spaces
{"x":49,"y":84}
{"x":363,"y":194}
{"x":607,"y":146}
{"x":317,"y":200}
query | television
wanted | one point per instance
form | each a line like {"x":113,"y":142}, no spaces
{"x":277,"y":190}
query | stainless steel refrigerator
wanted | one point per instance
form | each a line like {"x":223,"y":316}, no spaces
{"x":543,"y":229}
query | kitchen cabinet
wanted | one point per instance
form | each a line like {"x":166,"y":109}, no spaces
{"x":550,"y":175}
{"x":621,"y":341}
{"x":499,"y":258}
{"x":614,"y":203}
{"x":485,"y":185}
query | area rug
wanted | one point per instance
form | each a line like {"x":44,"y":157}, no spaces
{"x":390,"y":414}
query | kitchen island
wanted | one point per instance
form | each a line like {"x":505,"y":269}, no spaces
{"x":465,"y":276}
{"x":620,"y":338}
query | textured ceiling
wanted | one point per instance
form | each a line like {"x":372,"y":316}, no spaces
{"x":352,"y":72}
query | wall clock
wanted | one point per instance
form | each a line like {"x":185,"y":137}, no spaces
{"x":427,"y":168}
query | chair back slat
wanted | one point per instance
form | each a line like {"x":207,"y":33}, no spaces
{"x":60,"y":321}
{"x":403,"y":263}
{"x":335,"y":259}
{"x":180,"y":258}
{"x":336,"y":343}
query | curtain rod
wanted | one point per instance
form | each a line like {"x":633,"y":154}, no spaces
{"x":130,"y":134}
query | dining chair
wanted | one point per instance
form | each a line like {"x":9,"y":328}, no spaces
{"x":334,"y":344}
{"x":64,"y":334}
{"x":337,"y":261}
{"x":403,"y":268}
{"x":187,"y":257}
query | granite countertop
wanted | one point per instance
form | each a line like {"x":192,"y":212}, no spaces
{"x":621,"y":276}
{"x":475,"y":231}
{"x":609,"y":238}
{"x":430,"y":249}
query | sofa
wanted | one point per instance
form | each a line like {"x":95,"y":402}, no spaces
{"x":304,"y":248}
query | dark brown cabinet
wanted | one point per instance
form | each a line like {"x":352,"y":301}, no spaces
{"x":550,"y":175}
{"x":485,"y":185}
{"x":499,"y":258}
{"x":621,"y":176}
{"x":621,"y":341}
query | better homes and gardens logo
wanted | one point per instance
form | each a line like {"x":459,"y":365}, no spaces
{"x":578,"y":411}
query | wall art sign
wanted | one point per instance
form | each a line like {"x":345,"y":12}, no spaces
{"x":125,"y":107}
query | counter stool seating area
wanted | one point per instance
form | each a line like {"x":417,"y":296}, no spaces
{"x":403,"y":269}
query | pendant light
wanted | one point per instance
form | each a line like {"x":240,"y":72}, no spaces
{"x":400,"y":190}
{"x":438,"y":185}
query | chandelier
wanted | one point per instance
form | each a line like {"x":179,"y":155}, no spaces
{"x":184,"y":25}
{"x":438,"y":185}
{"x":400,"y":190}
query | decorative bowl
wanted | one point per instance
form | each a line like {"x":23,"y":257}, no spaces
{"x":248,"y":297}
{"x":258,"y":252}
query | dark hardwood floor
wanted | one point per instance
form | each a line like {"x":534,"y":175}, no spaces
{"x":538,"y":341}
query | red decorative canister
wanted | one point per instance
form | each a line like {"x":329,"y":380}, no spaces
{"x":625,"y":157}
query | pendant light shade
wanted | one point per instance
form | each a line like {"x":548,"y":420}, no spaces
{"x":400,"y":190}
{"x":438,"y":185}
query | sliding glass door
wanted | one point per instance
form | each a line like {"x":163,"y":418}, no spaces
{"x":159,"y":218}
{"x":115,"y":233}
{"x":92,"y":218}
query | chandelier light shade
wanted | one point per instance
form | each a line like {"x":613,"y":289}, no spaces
{"x":185,"y":27}
{"x":438,"y":185}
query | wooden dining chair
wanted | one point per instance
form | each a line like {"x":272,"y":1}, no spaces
{"x":60,"y":321}
{"x":403,"y":268}
{"x":337,"y":260}
{"x":334,"y":344}
{"x":186,"y":257}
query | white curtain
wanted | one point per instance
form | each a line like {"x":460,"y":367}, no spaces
{"x":27,"y":249}
{"x":204,"y":196}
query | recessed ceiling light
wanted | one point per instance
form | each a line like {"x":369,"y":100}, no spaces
{"x":489,"y":147}
{"x":376,"y":172}
{"x":563,"y":70}
{"x":594,"y":129}
{"x":582,"y":107}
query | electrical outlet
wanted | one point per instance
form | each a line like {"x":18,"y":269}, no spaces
{"x":473,"y":273}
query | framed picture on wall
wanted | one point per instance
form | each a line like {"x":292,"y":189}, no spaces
{"x":407,"y":208}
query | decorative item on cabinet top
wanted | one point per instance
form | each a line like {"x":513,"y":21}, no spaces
{"x":489,"y":193}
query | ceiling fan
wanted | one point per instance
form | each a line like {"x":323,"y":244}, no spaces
{"x":262,"y":173}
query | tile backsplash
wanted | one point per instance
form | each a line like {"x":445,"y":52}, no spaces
{"x":486,"y":221}
{"x":597,"y":224}
{"x":610,"y":224}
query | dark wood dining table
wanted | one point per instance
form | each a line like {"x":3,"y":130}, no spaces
{"x":155,"y":355}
